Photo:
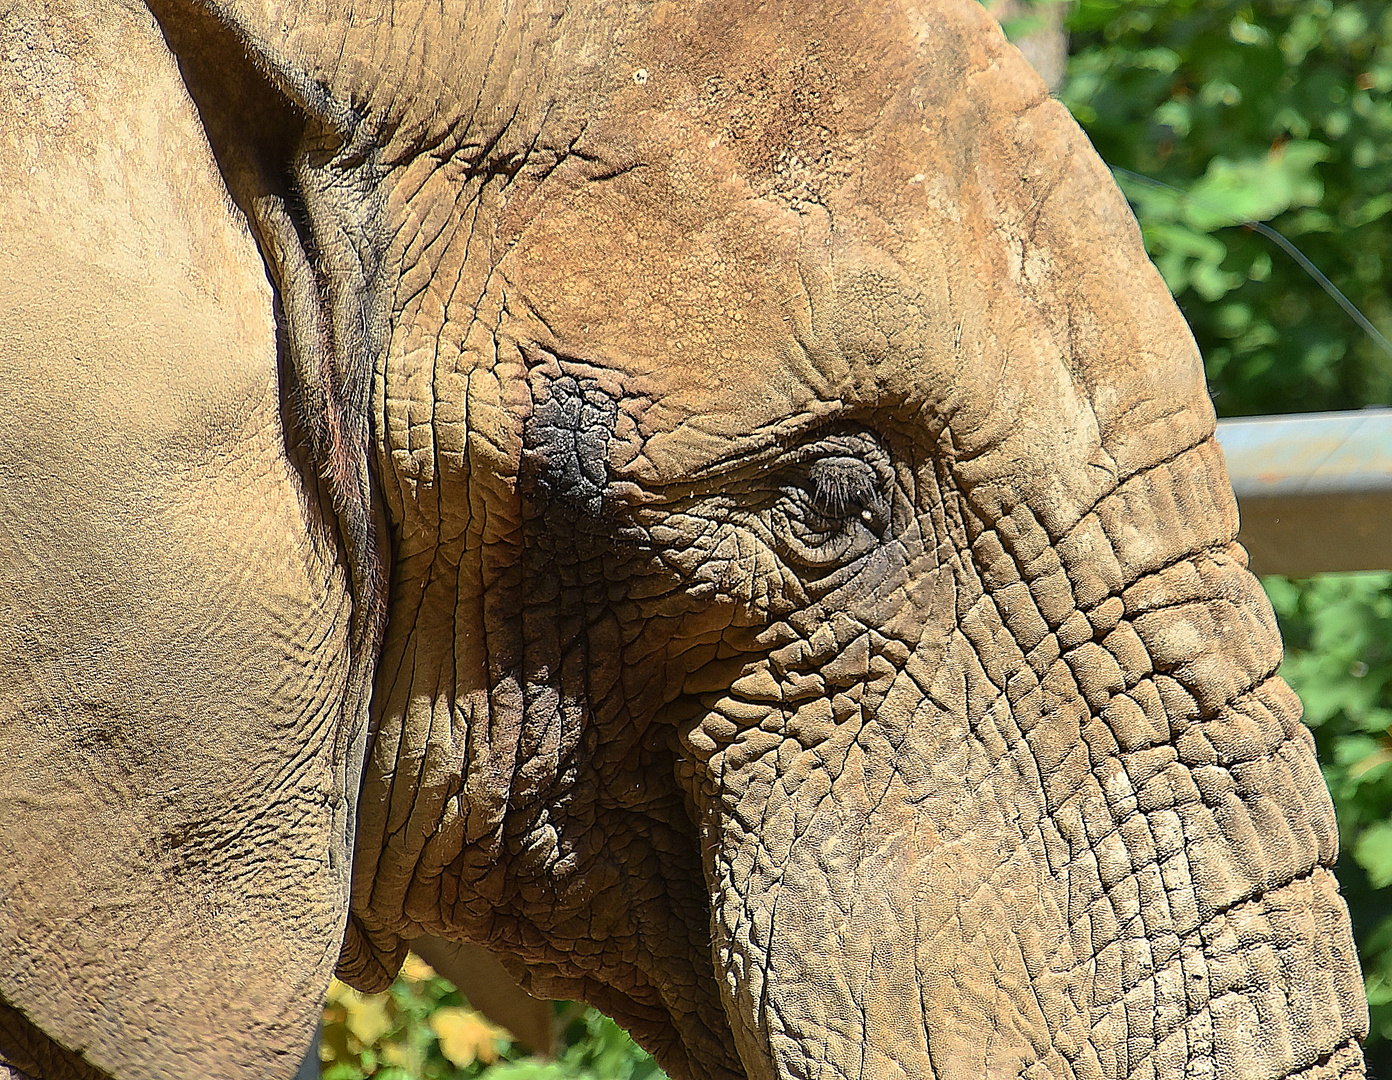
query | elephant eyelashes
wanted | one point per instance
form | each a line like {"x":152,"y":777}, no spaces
{"x":842,"y":486}
{"x":834,"y":501}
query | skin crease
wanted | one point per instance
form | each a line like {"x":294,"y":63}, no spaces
{"x":815,"y":631}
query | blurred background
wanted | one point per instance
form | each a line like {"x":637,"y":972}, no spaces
{"x":1277,"y":112}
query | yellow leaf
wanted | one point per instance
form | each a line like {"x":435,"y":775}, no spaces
{"x":404,"y":1055}
{"x":465,"y":1036}
{"x":415,"y":969}
{"x":366,"y":1016}
{"x":1372,"y":761}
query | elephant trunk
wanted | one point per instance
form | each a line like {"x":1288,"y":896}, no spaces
{"x":1056,"y":817}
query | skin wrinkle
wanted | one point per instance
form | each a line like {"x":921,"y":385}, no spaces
{"x":434,"y":446}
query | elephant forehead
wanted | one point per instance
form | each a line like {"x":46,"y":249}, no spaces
{"x":931,"y":281}
{"x":741,"y":223}
{"x":695,"y":307}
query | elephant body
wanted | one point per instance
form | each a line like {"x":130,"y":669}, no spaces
{"x":709,"y":501}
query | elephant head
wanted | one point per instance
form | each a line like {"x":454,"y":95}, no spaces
{"x":777,"y":577}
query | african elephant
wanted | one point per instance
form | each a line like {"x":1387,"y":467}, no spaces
{"x":708,"y":500}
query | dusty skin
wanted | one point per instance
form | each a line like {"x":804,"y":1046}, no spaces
{"x":706,"y":499}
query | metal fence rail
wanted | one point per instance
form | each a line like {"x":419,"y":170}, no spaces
{"x":1314,"y":490}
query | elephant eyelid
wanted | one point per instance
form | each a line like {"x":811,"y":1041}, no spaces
{"x":846,"y":474}
{"x":833,"y":500}
{"x":842,"y":486}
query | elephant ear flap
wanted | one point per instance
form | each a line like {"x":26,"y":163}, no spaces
{"x":190,"y":586}
{"x":299,"y":164}
{"x":294,"y":51}
{"x":302,"y":167}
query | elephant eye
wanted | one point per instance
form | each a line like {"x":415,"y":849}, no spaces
{"x":833,"y":501}
{"x":844,"y":486}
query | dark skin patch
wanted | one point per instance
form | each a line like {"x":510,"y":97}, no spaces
{"x":567,"y":440}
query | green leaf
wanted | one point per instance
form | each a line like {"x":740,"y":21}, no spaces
{"x":1374,"y":853}
{"x":1256,"y":189}
{"x":529,"y":1069}
{"x":1371,"y":210}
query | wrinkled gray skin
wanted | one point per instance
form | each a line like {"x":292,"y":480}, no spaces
{"x":708,"y":500}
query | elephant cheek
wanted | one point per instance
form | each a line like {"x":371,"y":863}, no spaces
{"x":877,"y":911}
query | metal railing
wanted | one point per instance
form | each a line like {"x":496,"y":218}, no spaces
{"x":1314,"y":490}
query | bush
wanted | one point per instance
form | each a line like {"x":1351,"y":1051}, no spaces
{"x":422,"y":1028}
{"x":1338,"y":634}
{"x":1275,"y":112}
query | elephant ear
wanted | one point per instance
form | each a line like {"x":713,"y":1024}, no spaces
{"x":308,"y":109}
{"x":301,"y":167}
{"x":189,"y":582}
{"x":293,"y":120}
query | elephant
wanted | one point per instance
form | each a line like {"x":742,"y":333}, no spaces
{"x":708,"y":501}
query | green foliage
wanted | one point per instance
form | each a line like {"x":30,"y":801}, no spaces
{"x":1338,"y":634}
{"x":422,"y":1029}
{"x":1179,"y":226}
{"x":1274,"y":111}
{"x":596,"y":1049}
